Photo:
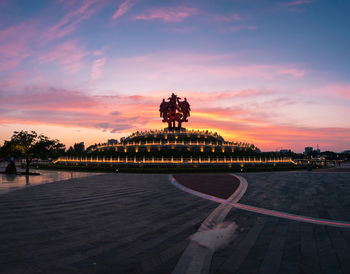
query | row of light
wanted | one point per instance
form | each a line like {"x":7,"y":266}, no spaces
{"x":156,"y":132}
{"x":172,"y":147}
{"x":170,"y":143}
{"x":172,"y":160}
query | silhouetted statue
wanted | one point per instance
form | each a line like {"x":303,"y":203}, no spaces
{"x":174,"y":111}
{"x":163,"y":110}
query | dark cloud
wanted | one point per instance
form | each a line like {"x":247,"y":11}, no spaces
{"x":116,"y":113}
{"x":112,"y":127}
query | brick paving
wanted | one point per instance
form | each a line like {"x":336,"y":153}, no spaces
{"x":112,"y":223}
{"x":140,"y":223}
{"x":271,"y":245}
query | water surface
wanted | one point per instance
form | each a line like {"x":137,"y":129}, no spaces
{"x":13,"y":182}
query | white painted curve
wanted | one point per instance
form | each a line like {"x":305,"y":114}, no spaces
{"x":264,"y":211}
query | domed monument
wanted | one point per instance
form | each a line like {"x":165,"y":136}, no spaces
{"x":172,"y":145}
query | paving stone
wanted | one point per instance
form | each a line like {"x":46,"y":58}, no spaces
{"x":140,"y":223}
{"x":273,"y":256}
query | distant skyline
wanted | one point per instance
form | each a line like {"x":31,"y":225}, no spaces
{"x":272,"y":73}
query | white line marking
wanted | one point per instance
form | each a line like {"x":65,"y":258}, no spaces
{"x":197,"y":257}
{"x":264,"y":211}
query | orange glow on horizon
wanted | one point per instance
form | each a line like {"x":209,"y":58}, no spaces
{"x":102,"y":122}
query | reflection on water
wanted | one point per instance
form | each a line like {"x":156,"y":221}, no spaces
{"x":10,"y":182}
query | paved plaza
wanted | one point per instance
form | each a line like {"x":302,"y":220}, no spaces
{"x":141,"y":223}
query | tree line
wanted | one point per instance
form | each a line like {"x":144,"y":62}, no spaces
{"x":29,"y":145}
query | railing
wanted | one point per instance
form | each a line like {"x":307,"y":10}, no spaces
{"x":153,"y":132}
{"x":171,"y":160}
{"x":169,"y":143}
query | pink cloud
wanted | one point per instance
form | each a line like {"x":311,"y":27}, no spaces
{"x":39,"y":99}
{"x":220,"y":96}
{"x":298,"y":3}
{"x":291,"y":71}
{"x":123,"y":8}
{"x":209,"y":66}
{"x":169,"y":15}
{"x":69,"y":108}
{"x":330,"y":93}
{"x":73,"y":67}
{"x":13,"y":78}
{"x":97,"y":68}
{"x":69,"y":23}
{"x":341,"y":91}
{"x":227,"y":18}
{"x":26,"y":39}
{"x":183,"y":29}
{"x":68,"y":54}
{"x":175,"y":58}
{"x":15,"y":48}
{"x":254,"y":70}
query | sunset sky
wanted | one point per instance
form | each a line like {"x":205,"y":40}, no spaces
{"x":272,"y":73}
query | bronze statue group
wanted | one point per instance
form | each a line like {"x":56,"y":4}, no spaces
{"x":174,"y":110}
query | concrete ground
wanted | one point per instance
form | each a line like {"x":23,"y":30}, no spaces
{"x":140,"y":223}
{"x":274,"y":245}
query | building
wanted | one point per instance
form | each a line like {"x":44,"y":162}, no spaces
{"x":308,"y":150}
{"x":168,"y":143}
{"x":318,"y":150}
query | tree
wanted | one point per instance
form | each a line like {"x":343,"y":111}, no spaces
{"x":2,"y":152}
{"x":79,"y":148}
{"x":30,"y":144}
{"x":70,"y":151}
{"x":76,"y":150}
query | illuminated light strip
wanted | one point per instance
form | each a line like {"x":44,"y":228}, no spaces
{"x":262,"y":210}
{"x":172,"y":143}
{"x":227,"y":161}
